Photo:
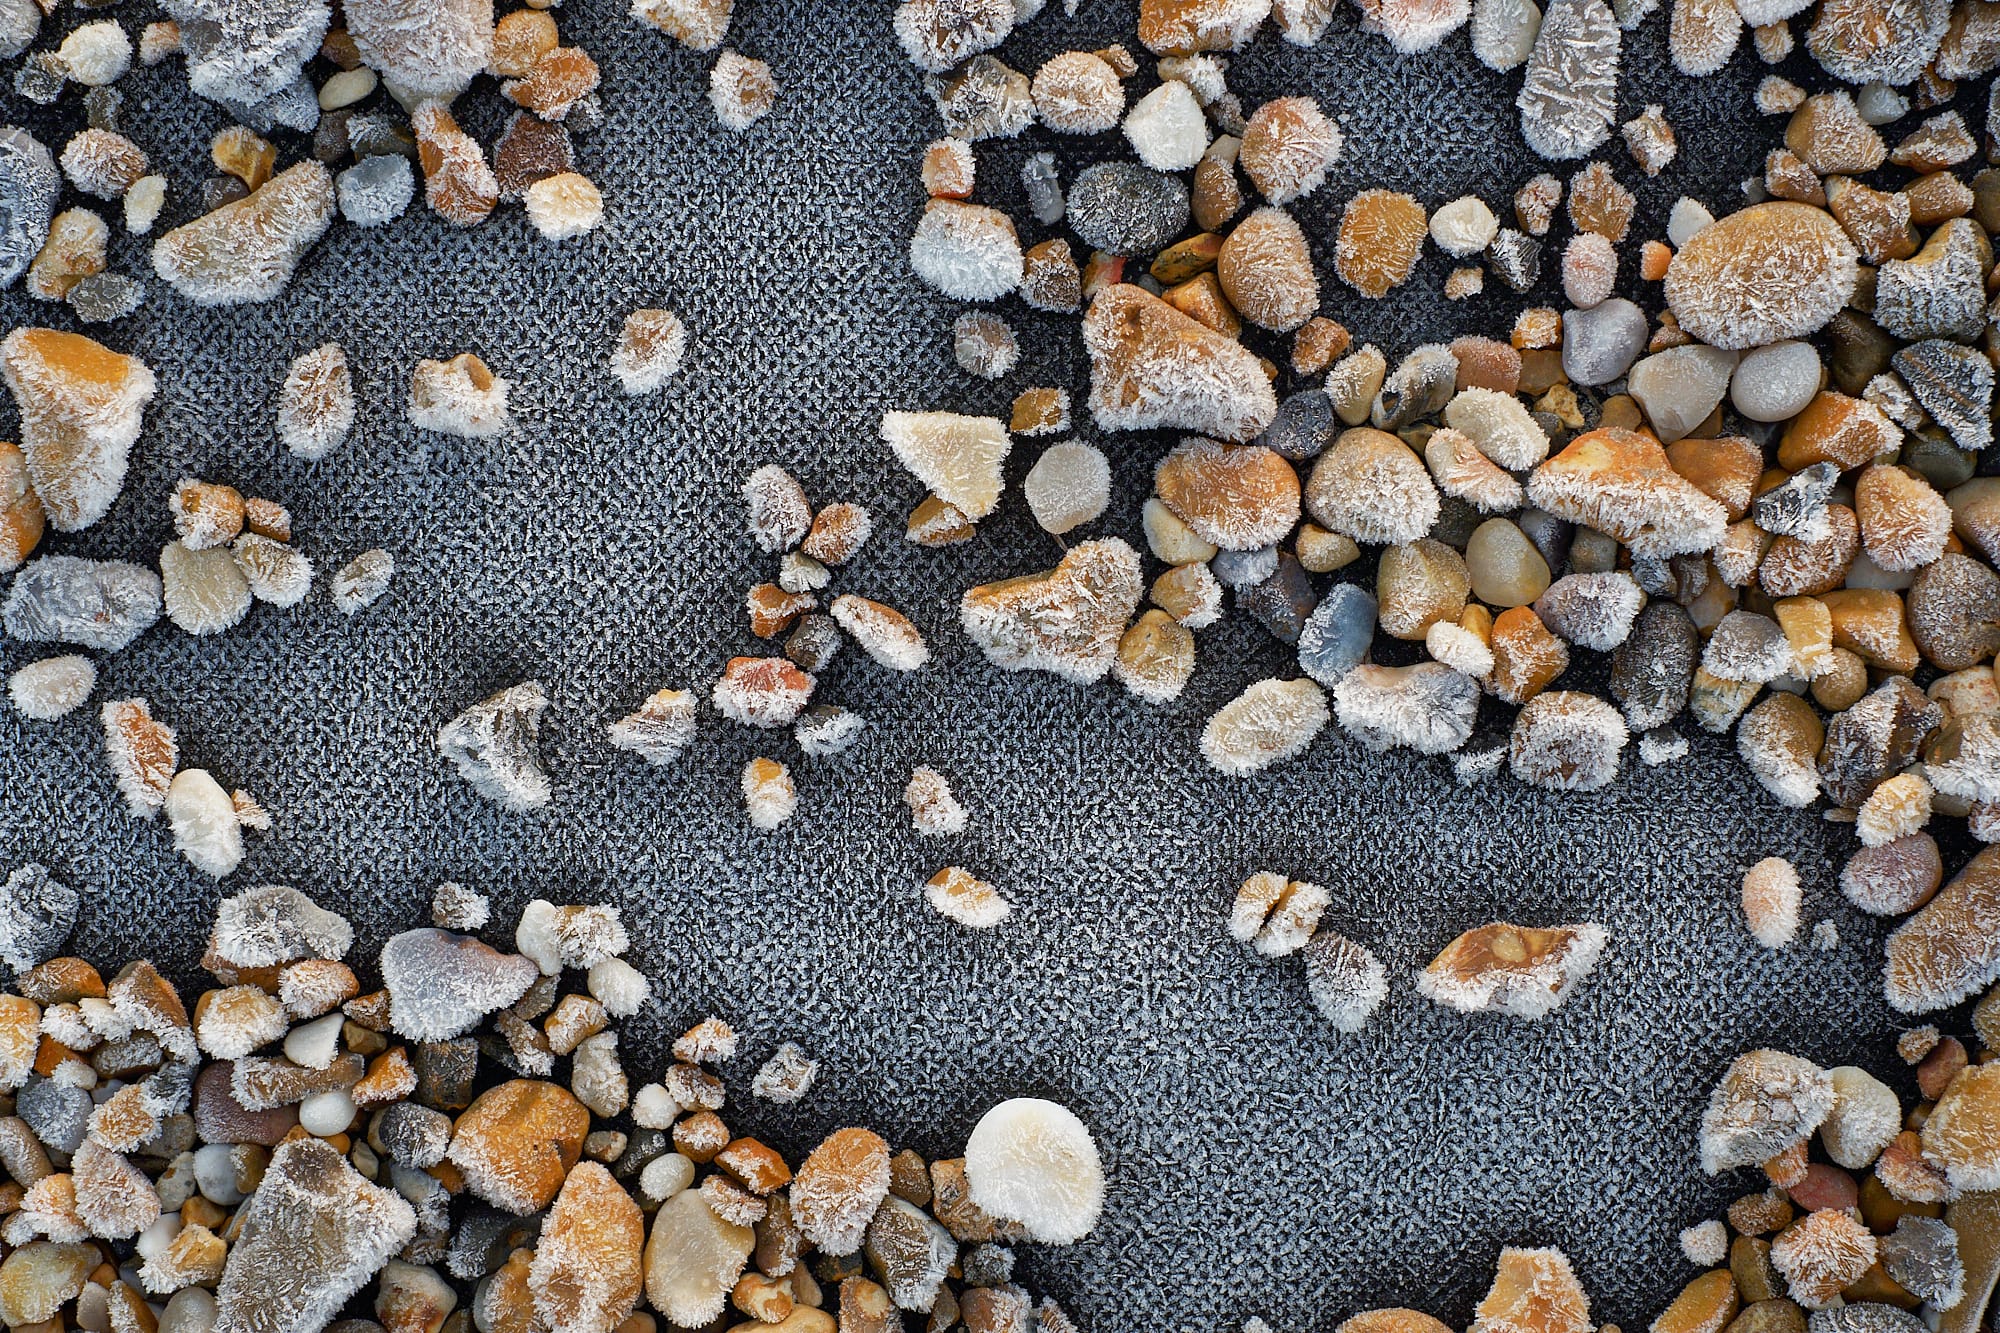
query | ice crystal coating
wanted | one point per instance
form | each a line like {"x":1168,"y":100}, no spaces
{"x":957,"y":457}
{"x":1069,"y":485}
{"x":1465,"y":226}
{"x":1949,"y":950}
{"x":1078,"y":93}
{"x":1922,"y":1254}
{"x":967,"y":251}
{"x":429,"y":52}
{"x":37,"y":914}
{"x":1500,"y":425}
{"x":659,"y":729}
{"x":786,"y":1076}
{"x":1032,"y":1161}
{"x":80,"y":405}
{"x":309,"y":1238}
{"x":204,"y":591}
{"x":761,"y":691}
{"x":53,"y":687}
{"x":102,"y":604}
{"x":1346,"y":981}
{"x":1567,"y":741}
{"x":247,"y":251}
{"x":1766,"y":1102}
{"x":374,"y":190}
{"x":1620,"y":483}
{"x":693,"y":1258}
{"x":1370,"y":487}
{"x":1877,"y":41}
{"x":1287,"y":147}
{"x":1414,"y":26}
{"x":1568,"y":100}
{"x":1772,"y":271}
{"x":29,"y":185}
{"x":204,"y":821}
{"x":1427,"y":707}
{"x":650,"y":347}
{"x":1067,"y":620}
{"x":939,"y":34}
{"x":882,"y":631}
{"x":1126,"y":209}
{"x":1865,"y":1117}
{"x":1771,"y":899}
{"x":316,"y":402}
{"x":1534,"y":1291}
{"x":1589,"y":269}
{"x":1524,"y":971}
{"x":1152,"y":367}
{"x":1821,"y":1254}
{"x":246,"y":56}
{"x":1270,"y":721}
{"x":1266,"y":271}
{"x":1166,"y":127}
{"x":1594,"y":611}
{"x":458,"y":397}
{"x":362,"y":580}
{"x":493,"y":746}
{"x":1702,"y":35}
{"x":1381,"y":237}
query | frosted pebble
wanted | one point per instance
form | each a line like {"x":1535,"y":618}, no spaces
{"x":1879,"y":104}
{"x":1069,"y":485}
{"x":1337,"y":635}
{"x":1776,"y":381}
{"x":1505,"y":567}
{"x":1167,"y":127}
{"x":375,"y":190}
{"x":96,"y":54}
{"x":52,"y":687}
{"x":1465,"y":226}
{"x":1032,"y":1161}
{"x":967,"y":251}
{"x":1686,"y":220}
{"x":1504,"y":31}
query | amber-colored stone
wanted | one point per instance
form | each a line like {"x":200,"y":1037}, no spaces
{"x":1040,"y":412}
{"x":1183,"y":27}
{"x":1597,"y":202}
{"x":21,"y":518}
{"x":1318,"y":341}
{"x":1877,"y":221}
{"x":556,"y":83}
{"x":1838,"y":429}
{"x":1724,"y":469}
{"x":1527,"y":658}
{"x":1938,"y":197}
{"x":1871,"y":622}
{"x":1705,"y":1305}
{"x":1183,"y":259}
{"x":1381,"y":237}
{"x":1534,"y":1291}
{"x":1201,"y":299}
{"x":458,"y":185}
{"x":517,"y":1142}
{"x":937,"y":522}
{"x":520,"y":39}
{"x":1238,"y":497}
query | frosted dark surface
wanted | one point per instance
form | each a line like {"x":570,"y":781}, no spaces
{"x":1259,"y":1163}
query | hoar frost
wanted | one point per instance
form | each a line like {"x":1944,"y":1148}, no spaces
{"x":1032,"y":1161}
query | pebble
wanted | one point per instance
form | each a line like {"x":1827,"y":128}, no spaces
{"x":1152,"y":367}
{"x":1770,"y":272}
{"x":493,"y":746}
{"x":1067,"y":620}
{"x":1776,"y":381}
{"x":246,"y":252}
{"x":1505,"y":568}
{"x":1125,"y":209}
{"x":90,"y":603}
{"x":1337,"y":635}
{"x":1266,"y":271}
{"x":1678,"y":388}
{"x":29,"y":184}
{"x":1600,"y":343}
{"x":1426,"y":707}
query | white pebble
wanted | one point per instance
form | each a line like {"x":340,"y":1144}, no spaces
{"x":96,"y":53}
{"x":1463,"y":227}
{"x":617,"y":985}
{"x":1776,"y":381}
{"x":653,"y":1107}
{"x":52,"y":687}
{"x":1687,"y":218}
{"x":1167,"y":128}
{"x":1069,"y":485}
{"x":326,"y":1113}
{"x":315,"y":1044}
{"x":1706,"y":1244}
{"x":1032,"y":1161}
{"x":665,"y":1176}
{"x":215,"y":1174}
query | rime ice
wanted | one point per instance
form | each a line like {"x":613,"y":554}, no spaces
{"x":1568,"y":99}
{"x":316,"y":402}
{"x":1032,"y":1161}
{"x":1270,"y":721}
{"x":1524,"y":971}
{"x":493,"y":746}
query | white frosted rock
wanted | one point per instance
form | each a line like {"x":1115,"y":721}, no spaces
{"x":1504,"y":32}
{"x":1863,"y":1120}
{"x":967,"y":251}
{"x":203,"y":817}
{"x":1271,"y":720}
{"x":1167,"y":127}
{"x":52,"y":687}
{"x":1685,"y":220}
{"x":1465,"y":226}
{"x":1032,"y":1161}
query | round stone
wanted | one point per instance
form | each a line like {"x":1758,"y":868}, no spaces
{"x":1125,"y":209}
{"x":1775,"y":382}
{"x":1506,"y":568}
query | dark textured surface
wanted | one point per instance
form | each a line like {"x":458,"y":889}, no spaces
{"x":1259,"y":1163}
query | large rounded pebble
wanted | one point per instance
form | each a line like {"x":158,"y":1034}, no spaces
{"x":1506,"y":568}
{"x":1599,"y":343}
{"x":1775,"y":382}
{"x":1679,"y":387}
{"x":1773,"y":271}
{"x":1032,"y":1161}
{"x":1337,"y":634}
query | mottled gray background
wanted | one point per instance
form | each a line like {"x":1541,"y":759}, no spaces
{"x":1259,"y":1162}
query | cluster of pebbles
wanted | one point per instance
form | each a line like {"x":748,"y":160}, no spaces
{"x":1761,"y":502}
{"x":462,"y":1149}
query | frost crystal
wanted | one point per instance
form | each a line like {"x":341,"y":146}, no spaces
{"x":1032,"y":1161}
{"x":1288,"y":145}
{"x":1567,"y":741}
{"x":1346,"y":981}
{"x":960,"y":896}
{"x":53,"y":687}
{"x":1465,"y":226}
{"x":1067,"y":621}
{"x":786,"y":1076}
{"x":779,"y":513}
{"x":699,"y":25}
{"x":273,"y":925}
{"x":1428,"y":707}
{"x":441,"y":984}
{"x":206,"y":828}
{"x":741,"y":90}
{"x":1270,"y":721}
{"x":80,"y":406}
{"x":1167,"y":129}
{"x":1524,"y":971}
{"x":309,"y":1238}
{"x":957,"y":457}
{"x":245,"y":55}
{"x":1705,"y":1244}
{"x":938,"y":34}
{"x":430,"y":52}
{"x":1594,"y":611}
{"x":769,"y":798}
{"x":1568,"y":100}
{"x":1702,"y":35}
{"x":316,"y":402}
{"x":1500,"y":425}
{"x":29,"y":185}
{"x":967,"y":251}
{"x":659,"y":729}
{"x":492,"y":744}
{"x":375,"y":190}
{"x":141,"y":754}
{"x":103,"y":604}
{"x":458,"y":397}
